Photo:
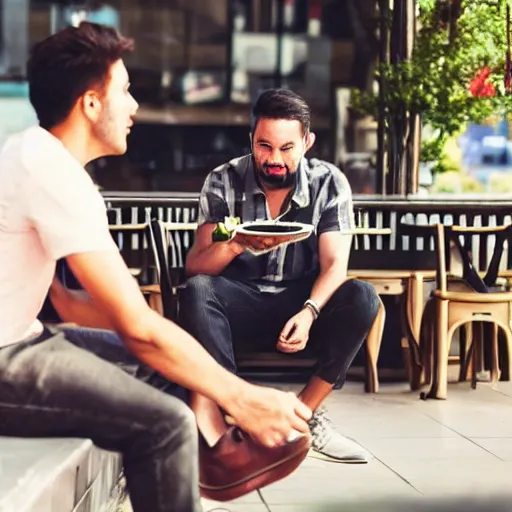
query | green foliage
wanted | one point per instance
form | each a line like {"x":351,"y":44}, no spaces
{"x":432,"y":149}
{"x":452,"y":182}
{"x":426,"y":4}
{"x":500,"y":183}
{"x":434,"y":83}
{"x":443,"y":151}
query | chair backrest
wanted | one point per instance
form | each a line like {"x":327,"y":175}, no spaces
{"x":454,"y":246}
{"x":133,"y":243}
{"x":399,"y":250}
{"x":419,"y":245}
{"x":371,"y":252}
{"x":160,"y":246}
{"x":481,"y":251}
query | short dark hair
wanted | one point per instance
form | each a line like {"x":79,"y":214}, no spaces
{"x":65,"y":65}
{"x":281,"y":104}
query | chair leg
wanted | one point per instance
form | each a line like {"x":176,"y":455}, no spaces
{"x":414,"y":310}
{"x":373,"y":342}
{"x":505,"y":356}
{"x":466,"y":351}
{"x":439,"y":385}
{"x":477,"y":353}
{"x":422,"y":370}
{"x":495,"y":363}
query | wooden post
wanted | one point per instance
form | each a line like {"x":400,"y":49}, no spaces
{"x":403,"y":136}
{"x":381,"y":128}
{"x":413,"y":153}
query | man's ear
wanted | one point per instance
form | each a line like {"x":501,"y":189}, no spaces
{"x":91,"y":105}
{"x":310,"y":140}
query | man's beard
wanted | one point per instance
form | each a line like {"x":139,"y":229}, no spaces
{"x":105,"y":131}
{"x":275,"y":181}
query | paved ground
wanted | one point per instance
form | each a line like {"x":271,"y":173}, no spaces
{"x":429,"y":455}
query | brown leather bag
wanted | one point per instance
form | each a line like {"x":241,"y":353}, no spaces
{"x":237,"y":465}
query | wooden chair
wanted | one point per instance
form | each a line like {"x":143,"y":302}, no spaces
{"x":455,"y":303}
{"x":170,"y":272}
{"x":168,"y":255}
{"x":417,"y":255}
{"x":132,"y":241}
{"x":399,"y":273}
{"x":135,"y":248}
{"x":372,"y":345}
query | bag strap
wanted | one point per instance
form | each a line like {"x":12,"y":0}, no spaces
{"x":236,"y":184}
{"x":470,"y":273}
{"x":494,"y":266}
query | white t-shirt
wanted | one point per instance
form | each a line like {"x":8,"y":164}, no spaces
{"x":49,"y":209}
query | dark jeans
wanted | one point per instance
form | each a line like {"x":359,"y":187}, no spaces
{"x":84,"y":383}
{"x":224,"y":314}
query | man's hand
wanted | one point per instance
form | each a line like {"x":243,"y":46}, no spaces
{"x":210,"y":258}
{"x":295,"y":334}
{"x":269,"y":415}
{"x":252,"y":242}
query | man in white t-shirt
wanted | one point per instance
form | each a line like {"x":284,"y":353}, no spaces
{"x":87,"y":382}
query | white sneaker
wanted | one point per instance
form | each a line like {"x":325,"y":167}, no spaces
{"x":328,"y":444}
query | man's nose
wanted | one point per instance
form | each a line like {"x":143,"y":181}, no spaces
{"x":275,"y":158}
{"x":135,"y":106}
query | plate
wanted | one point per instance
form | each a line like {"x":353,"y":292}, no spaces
{"x":267,"y":235}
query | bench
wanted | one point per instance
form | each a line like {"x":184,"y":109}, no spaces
{"x":57,"y":475}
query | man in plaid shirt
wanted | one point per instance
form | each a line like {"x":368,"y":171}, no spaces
{"x":297,"y":296}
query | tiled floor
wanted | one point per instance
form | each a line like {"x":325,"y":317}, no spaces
{"x":429,"y":455}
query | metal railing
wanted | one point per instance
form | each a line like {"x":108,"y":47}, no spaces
{"x":384,"y":252}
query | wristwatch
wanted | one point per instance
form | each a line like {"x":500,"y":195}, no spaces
{"x":314,"y":307}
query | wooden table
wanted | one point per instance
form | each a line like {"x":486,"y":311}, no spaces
{"x":409,"y":285}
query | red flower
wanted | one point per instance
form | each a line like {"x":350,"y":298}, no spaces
{"x":481,"y":86}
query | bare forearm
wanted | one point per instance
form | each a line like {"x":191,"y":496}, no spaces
{"x":213,"y":259}
{"x":328,"y":282}
{"x":180,"y":358}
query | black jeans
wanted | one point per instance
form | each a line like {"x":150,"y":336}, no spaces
{"x":84,"y":383}
{"x":222,"y":314}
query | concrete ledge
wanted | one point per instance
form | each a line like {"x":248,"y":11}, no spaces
{"x":56,"y":475}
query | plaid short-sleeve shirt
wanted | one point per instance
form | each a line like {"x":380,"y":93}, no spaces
{"x":322,"y":197}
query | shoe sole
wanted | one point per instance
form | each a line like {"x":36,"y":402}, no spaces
{"x":258,"y":480}
{"x":321,"y":456}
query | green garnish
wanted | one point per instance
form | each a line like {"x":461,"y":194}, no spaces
{"x":224,"y":230}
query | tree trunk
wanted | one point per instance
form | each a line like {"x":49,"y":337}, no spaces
{"x":401,"y":125}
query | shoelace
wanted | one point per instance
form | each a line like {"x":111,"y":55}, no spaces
{"x":320,"y":426}
{"x":320,"y":418}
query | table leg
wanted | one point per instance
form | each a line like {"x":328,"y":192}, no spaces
{"x":413,"y":311}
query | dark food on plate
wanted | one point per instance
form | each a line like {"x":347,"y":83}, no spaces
{"x":268,"y":235}
{"x":273,"y":228}
{"x":260,"y":236}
